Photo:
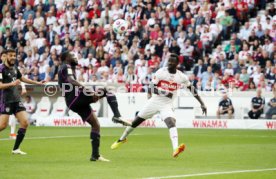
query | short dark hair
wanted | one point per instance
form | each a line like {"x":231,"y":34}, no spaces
{"x":10,"y":50}
{"x":174,"y":56}
{"x":64,"y":55}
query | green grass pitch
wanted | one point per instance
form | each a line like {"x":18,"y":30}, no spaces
{"x":63,"y":153}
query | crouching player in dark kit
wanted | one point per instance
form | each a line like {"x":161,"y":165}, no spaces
{"x":78,"y":99}
{"x":10,"y":101}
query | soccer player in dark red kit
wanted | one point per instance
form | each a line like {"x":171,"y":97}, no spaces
{"x":10,"y":100}
{"x":78,"y":99}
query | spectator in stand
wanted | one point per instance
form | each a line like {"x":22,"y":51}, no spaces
{"x":199,"y":69}
{"x":271,"y":112}
{"x":257,"y":75}
{"x":229,"y":69}
{"x":244,"y":77}
{"x":237,"y":84}
{"x":225,"y":107}
{"x":257,"y":108}
{"x":242,"y":10}
{"x":260,"y":31}
{"x":226,"y":21}
{"x":231,"y":48}
{"x":103,"y":68}
{"x":270,"y":72}
{"x":130,"y":77}
{"x":206,"y":76}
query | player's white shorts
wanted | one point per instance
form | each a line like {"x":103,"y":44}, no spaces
{"x":157,"y":104}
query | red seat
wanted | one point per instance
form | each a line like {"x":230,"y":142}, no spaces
{"x":134,"y":88}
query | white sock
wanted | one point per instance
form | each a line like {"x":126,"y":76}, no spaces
{"x":13,"y":124}
{"x":174,"y":137}
{"x":127,"y":131}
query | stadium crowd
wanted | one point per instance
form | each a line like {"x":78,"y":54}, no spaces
{"x":40,"y":30}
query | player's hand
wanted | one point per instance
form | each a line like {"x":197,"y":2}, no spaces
{"x":16,"y":83}
{"x":204,"y":110}
{"x":24,"y":91}
{"x":42,"y":82}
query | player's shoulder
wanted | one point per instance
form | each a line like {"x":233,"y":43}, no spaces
{"x":181,"y":74}
{"x":161,"y":71}
{"x":221,"y":100}
{"x":64,"y":66}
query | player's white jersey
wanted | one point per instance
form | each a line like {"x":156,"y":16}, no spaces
{"x":160,"y":103}
{"x":168,"y":82}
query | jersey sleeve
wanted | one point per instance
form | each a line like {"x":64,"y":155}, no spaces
{"x":19,"y":75}
{"x":220,"y":103}
{"x":156,"y":77}
{"x":185,"y":80}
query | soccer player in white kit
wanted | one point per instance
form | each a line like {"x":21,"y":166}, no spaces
{"x":166,"y":82}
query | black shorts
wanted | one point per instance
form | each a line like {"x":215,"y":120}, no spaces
{"x":12,"y":108}
{"x":80,"y":104}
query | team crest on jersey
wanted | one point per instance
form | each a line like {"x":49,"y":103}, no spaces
{"x":7,"y":109}
{"x":21,"y":104}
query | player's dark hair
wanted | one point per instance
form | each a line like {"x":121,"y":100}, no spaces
{"x":174,"y":56}
{"x":64,"y":55}
{"x":10,"y":50}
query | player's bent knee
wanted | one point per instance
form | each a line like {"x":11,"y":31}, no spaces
{"x":170,"y":122}
{"x":24,"y":124}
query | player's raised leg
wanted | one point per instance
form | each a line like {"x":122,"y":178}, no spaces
{"x":22,"y":118}
{"x":102,"y":92}
{"x":148,"y":111}
{"x":137,"y":121}
{"x":113,"y":103}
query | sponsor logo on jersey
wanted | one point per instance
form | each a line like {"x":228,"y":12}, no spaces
{"x":7,"y":109}
{"x":168,"y":85}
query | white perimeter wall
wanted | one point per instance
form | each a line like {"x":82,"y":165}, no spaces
{"x":187,"y":110}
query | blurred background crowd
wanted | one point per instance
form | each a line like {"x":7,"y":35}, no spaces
{"x":221,"y":43}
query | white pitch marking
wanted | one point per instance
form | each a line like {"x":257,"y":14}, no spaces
{"x":213,"y":173}
{"x":58,"y":137}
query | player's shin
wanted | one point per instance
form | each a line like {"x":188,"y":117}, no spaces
{"x":13,"y":127}
{"x":174,"y":137}
{"x":20,"y":136}
{"x":112,"y":101}
{"x":170,"y":122}
{"x":95,"y":142}
{"x":129,"y":129}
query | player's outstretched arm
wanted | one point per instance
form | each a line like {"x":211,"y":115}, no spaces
{"x":26,"y":80}
{"x":8,"y":85}
{"x":195,"y":94}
